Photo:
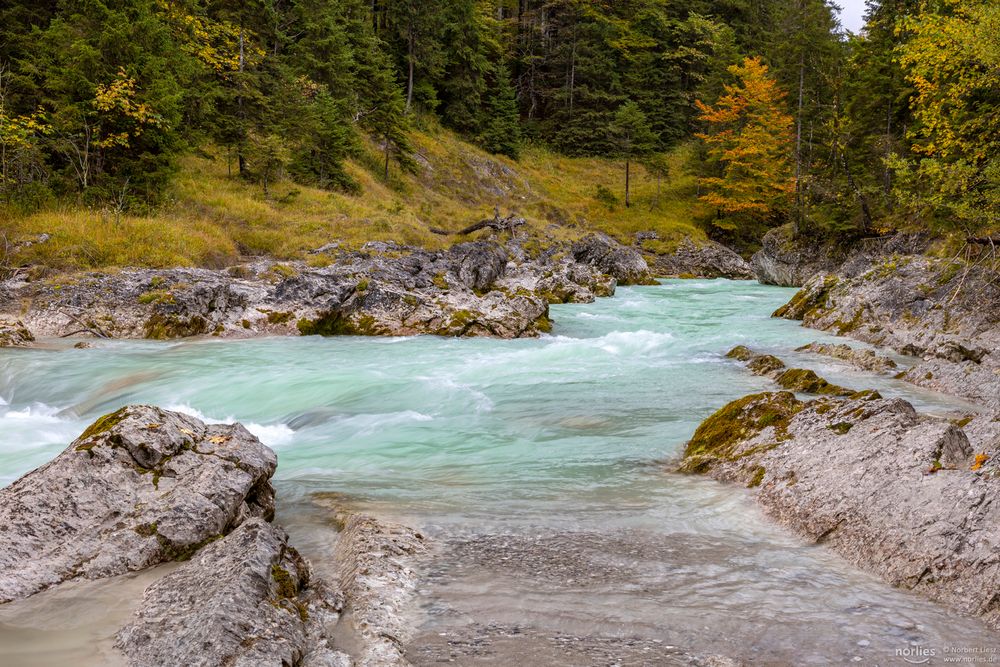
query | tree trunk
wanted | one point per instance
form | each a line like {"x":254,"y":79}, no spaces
{"x":797,"y":223}
{"x":387,"y":158}
{"x":628,"y":199}
{"x":409,"y":85}
{"x":242,"y":113}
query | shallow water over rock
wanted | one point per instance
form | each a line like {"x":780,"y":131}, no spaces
{"x":536,"y":468}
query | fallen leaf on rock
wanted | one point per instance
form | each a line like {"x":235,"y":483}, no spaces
{"x":980,"y":460}
{"x":219,"y":439}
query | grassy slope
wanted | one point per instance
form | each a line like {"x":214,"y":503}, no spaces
{"x":213,"y":219}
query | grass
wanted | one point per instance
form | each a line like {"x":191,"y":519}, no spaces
{"x":211,"y":218}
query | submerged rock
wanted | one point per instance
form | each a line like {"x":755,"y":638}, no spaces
{"x":707,"y":259}
{"x":246,"y":600}
{"x":624,"y":264}
{"x":13,"y":333}
{"x":140,"y":487}
{"x":899,"y":494}
{"x":792,"y":379}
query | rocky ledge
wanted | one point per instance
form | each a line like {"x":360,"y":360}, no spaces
{"x":13,"y":333}
{"x":905,"y":496}
{"x":479,"y":288}
{"x":945,"y":313}
{"x":707,"y":259}
{"x":143,"y":486}
{"x":140,"y":487}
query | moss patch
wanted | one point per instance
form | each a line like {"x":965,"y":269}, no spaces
{"x":740,"y":353}
{"x":166,"y":327}
{"x":807,"y":382}
{"x":808,"y":302}
{"x":334,"y":323}
{"x":758,"y":477}
{"x":102,"y":425}
{"x":765,"y":364}
{"x":841,"y":428}
{"x":720,"y":436}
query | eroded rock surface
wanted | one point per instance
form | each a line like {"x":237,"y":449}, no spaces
{"x":866,"y":360}
{"x":702,"y":260}
{"x":945,"y":313}
{"x":899,"y":494}
{"x":375,"y":562}
{"x":624,"y":264}
{"x":140,"y":487}
{"x":473,"y":289}
{"x":246,"y":600}
{"x":13,"y":333}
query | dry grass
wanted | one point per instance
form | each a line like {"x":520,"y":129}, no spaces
{"x":212,"y":219}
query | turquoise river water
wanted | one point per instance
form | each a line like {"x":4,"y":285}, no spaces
{"x":552,"y":451}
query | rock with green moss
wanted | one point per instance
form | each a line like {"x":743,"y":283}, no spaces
{"x":807,"y":382}
{"x":141,"y":486}
{"x":245,"y":600}
{"x":13,"y":333}
{"x":897,"y":493}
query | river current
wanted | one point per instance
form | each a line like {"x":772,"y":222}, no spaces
{"x":537,"y":466}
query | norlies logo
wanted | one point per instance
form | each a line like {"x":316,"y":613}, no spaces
{"x":916,"y":655}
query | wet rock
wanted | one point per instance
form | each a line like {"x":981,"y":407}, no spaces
{"x":13,"y":333}
{"x":245,"y":600}
{"x":375,"y":562}
{"x":866,"y":360}
{"x":626,"y":265}
{"x":139,"y":487}
{"x":944,"y":312}
{"x":707,"y":259}
{"x":894,"y":492}
{"x":793,"y":379}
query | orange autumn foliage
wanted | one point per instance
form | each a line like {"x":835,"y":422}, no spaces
{"x":749,"y":134}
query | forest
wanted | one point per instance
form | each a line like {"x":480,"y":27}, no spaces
{"x":789,"y":118}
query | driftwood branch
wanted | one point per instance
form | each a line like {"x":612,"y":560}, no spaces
{"x":497,"y":223}
{"x":92,"y":328}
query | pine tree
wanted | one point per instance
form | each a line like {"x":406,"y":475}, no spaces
{"x":634,"y":138}
{"x":502,"y":129}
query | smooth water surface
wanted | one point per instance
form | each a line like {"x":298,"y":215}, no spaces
{"x":549,"y":450}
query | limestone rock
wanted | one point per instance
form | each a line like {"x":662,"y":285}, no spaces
{"x":246,"y":600}
{"x":375,"y":564}
{"x":707,"y":259}
{"x":13,"y":333}
{"x":140,"y":487}
{"x":892,"y":491}
{"x":626,"y":265}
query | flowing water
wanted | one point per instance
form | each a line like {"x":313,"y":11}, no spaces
{"x":536,"y":466}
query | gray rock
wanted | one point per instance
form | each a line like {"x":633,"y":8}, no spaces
{"x":13,"y":333}
{"x":889,"y":489}
{"x":703,"y":260}
{"x":246,"y":601}
{"x":375,"y":565}
{"x":140,"y":487}
{"x":866,"y":360}
{"x":944,"y":312}
{"x":626,"y":265}
{"x":790,"y":262}
{"x":385,"y":289}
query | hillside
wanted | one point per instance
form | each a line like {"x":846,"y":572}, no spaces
{"x":212,"y":218}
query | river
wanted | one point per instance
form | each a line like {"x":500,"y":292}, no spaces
{"x":537,"y":467}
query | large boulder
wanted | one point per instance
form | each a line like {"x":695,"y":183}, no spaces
{"x":902,"y":495}
{"x":140,"y":487}
{"x":789,"y":261}
{"x":244,"y":601}
{"x":624,"y":264}
{"x":479,"y":264}
{"x":707,"y":259}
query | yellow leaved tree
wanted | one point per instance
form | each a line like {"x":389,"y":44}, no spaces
{"x":749,"y":138}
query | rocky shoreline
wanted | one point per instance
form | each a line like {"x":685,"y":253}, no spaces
{"x":479,"y":288}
